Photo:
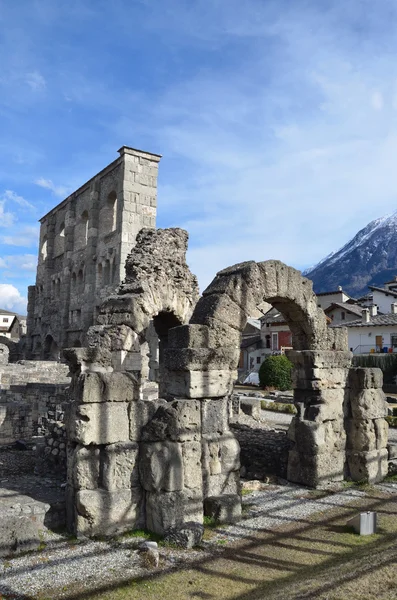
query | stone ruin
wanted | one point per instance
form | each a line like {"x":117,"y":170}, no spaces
{"x":4,"y":354}
{"x":159,"y":463}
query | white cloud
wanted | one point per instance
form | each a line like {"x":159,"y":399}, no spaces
{"x":59,"y":190}
{"x":19,"y":262}
{"x":14,"y":197}
{"x":11,"y":299}
{"x":6,"y":218}
{"x":26,"y":237}
{"x":35,"y":81}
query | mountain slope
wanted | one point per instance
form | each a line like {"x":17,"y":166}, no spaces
{"x":370,"y":258}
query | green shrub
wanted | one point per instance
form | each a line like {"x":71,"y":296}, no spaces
{"x":275,"y":371}
{"x":392,"y":421}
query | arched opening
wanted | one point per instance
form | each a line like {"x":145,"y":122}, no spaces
{"x":80,"y":281}
{"x":59,"y":242}
{"x":76,"y":344}
{"x":44,"y":249}
{"x":106,"y":273}
{"x":99,"y":280}
{"x":108,"y":215}
{"x":51,"y":350}
{"x":81,"y":231}
{"x":74,"y":281}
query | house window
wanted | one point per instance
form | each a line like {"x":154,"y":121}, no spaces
{"x":258,"y":360}
{"x":5,"y":319}
{"x":393,"y":341}
{"x":342,"y":315}
{"x":267,"y":341}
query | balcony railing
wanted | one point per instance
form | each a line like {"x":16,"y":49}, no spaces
{"x":373,"y":349}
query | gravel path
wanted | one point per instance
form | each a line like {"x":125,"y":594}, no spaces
{"x":67,"y":562}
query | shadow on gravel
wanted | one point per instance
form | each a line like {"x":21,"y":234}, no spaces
{"x":270,"y":563}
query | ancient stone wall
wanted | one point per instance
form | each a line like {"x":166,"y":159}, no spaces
{"x":84,"y":242}
{"x":158,"y":464}
{"x":32,"y":395}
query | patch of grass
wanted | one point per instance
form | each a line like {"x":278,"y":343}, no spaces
{"x":245,"y":492}
{"x":391,"y":478}
{"x":209,"y":522}
{"x":392,"y":420}
{"x":279,"y":407}
{"x":143,"y":534}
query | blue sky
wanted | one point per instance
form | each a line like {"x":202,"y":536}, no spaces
{"x":276,"y":119}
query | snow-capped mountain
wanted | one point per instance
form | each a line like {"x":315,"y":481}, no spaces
{"x":370,"y":258}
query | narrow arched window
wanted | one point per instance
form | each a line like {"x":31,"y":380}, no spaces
{"x":44,"y":249}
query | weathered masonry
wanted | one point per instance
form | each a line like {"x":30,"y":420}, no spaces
{"x":84,"y":242}
{"x":161,"y":463}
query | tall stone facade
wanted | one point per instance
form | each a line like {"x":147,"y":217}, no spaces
{"x":84,"y":243}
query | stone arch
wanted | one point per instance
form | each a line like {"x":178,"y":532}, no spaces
{"x":51,"y":349}
{"x":59,"y":242}
{"x":108,"y":214}
{"x":81,"y":231}
{"x":44,"y":249}
{"x":236,"y":291}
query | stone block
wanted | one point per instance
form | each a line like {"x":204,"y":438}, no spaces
{"x":319,"y":379}
{"x":192,"y":474}
{"x":382,"y":433}
{"x":200,"y":384}
{"x":221,"y":308}
{"x":102,"y":423}
{"x":89,"y":388}
{"x":217,"y":335}
{"x":105,"y":513}
{"x":368,"y":466}
{"x":392,"y":451}
{"x":365,"y":378}
{"x":320,"y":359}
{"x":119,"y":466}
{"x":230,"y":453}
{"x":361,"y":435}
{"x":83,"y":467}
{"x":222,"y":483}
{"x":170,"y":509}
{"x":201,"y":359}
{"x":214,"y":416}
{"x":313,"y":438}
{"x":179,"y":420}
{"x":251,"y":407}
{"x":315,"y":470}
{"x":140,"y":413}
{"x":161,"y":466}
{"x":368,"y":404}
{"x":105,"y":387}
{"x":243,"y":285}
{"x":186,"y":536}
{"x":223,"y":509}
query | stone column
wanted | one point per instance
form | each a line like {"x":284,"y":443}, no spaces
{"x":367,"y":429}
{"x":200,"y":371}
{"x":103,"y":490}
{"x":318,"y":434}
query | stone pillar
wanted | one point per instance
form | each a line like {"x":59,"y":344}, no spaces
{"x":318,"y":433}
{"x":366,"y":427}
{"x":199,"y":372}
{"x":103,"y":489}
